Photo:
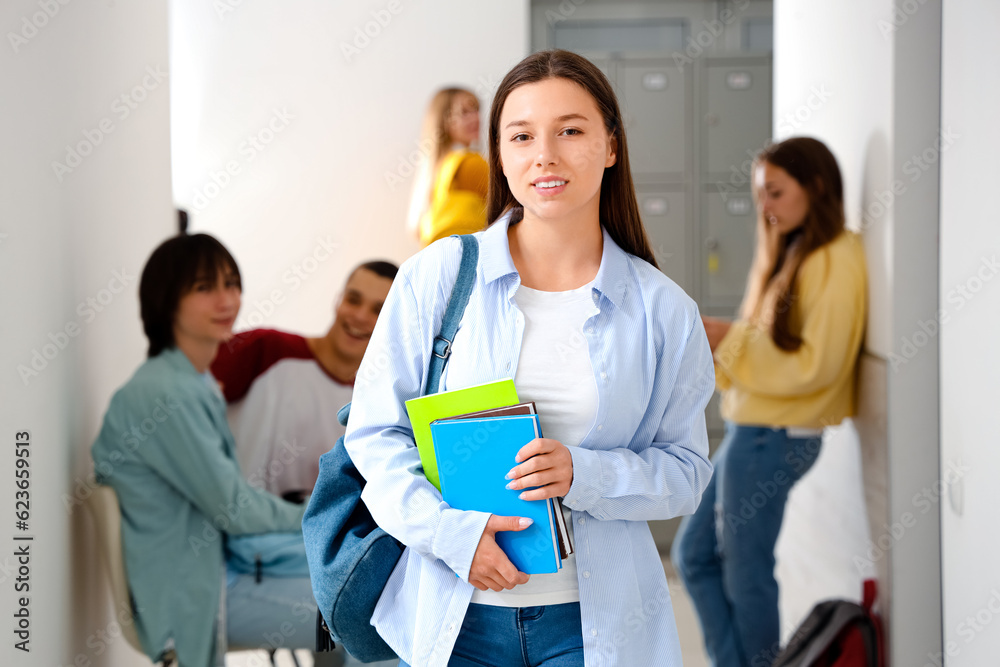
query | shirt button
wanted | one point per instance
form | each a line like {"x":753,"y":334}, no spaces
{"x":451,"y":628}
{"x":590,"y":329}
{"x":593,"y":631}
{"x":586,"y":575}
{"x":600,"y":427}
{"x":604,"y":376}
{"x":582,"y":521}
{"x":508,"y":365}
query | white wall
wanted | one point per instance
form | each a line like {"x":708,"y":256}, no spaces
{"x":61,"y":243}
{"x":879,"y":63}
{"x":842,"y":96}
{"x":970,"y":359}
{"x":356,"y":113}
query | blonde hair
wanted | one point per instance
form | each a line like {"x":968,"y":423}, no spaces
{"x":435,"y":144}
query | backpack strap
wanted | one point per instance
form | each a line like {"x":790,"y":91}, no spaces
{"x":453,"y":314}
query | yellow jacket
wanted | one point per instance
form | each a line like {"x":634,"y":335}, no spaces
{"x":458,"y":204}
{"x":813,"y":386}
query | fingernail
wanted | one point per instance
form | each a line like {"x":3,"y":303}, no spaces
{"x":510,"y":475}
{"x":510,"y":485}
{"x":522,"y":496}
{"x":524,"y":522}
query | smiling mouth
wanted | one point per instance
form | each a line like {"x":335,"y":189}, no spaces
{"x":357,"y":333}
{"x":546,"y":185}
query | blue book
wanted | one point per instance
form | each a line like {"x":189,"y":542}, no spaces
{"x":473,"y":459}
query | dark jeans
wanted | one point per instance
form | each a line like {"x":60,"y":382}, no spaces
{"x":724,"y":552}
{"x":549,"y":636}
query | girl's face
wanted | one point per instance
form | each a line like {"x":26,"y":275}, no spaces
{"x":463,"y":119}
{"x":206,"y":314}
{"x":554,"y":149}
{"x":780,"y":198}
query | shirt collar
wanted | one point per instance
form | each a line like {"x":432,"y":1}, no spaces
{"x":175,"y":358}
{"x":611,"y":281}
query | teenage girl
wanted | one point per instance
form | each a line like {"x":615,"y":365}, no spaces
{"x":786,"y":368}
{"x":568,"y":301}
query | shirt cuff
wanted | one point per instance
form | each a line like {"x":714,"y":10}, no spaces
{"x":457,"y":539}
{"x":583,"y":493}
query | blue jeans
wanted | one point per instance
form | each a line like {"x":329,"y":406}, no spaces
{"x":724,"y":552}
{"x":550,"y":636}
{"x":279,"y":611}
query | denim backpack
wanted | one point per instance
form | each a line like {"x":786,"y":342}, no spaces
{"x":350,"y":557}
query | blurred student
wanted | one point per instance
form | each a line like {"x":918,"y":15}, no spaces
{"x":193,"y":530}
{"x":786,"y":369}
{"x":290,"y":387}
{"x":449,"y":194}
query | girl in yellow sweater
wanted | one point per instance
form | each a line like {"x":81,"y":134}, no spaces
{"x":449,"y":196}
{"x":786,"y":369}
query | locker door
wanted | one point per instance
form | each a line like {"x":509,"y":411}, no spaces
{"x":727,"y":247}
{"x":665,"y":216}
{"x":654,"y":100}
{"x":737,"y":118}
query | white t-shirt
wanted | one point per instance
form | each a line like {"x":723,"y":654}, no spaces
{"x":555,"y":372}
{"x":286,"y":422}
{"x":282,"y":408}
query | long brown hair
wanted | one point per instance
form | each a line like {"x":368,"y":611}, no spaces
{"x":777,"y":258}
{"x":619,"y":210}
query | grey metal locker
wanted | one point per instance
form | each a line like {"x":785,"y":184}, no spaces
{"x":654,"y":98}
{"x":665,"y":216}
{"x":727,"y":247}
{"x":737,"y":113}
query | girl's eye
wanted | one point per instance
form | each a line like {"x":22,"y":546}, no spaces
{"x":572,"y":131}
{"x":202,"y":287}
{"x":519,"y":137}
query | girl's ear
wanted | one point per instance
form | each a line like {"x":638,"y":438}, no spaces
{"x":612,"y":152}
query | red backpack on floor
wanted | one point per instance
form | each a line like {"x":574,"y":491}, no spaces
{"x":837,"y":633}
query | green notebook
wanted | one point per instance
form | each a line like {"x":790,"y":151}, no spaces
{"x":425,"y":409}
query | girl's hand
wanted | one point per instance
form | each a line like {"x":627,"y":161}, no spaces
{"x":716,"y":329}
{"x":491,"y":569}
{"x":547,"y":466}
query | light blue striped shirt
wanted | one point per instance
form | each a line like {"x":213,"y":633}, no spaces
{"x":645,"y":456}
